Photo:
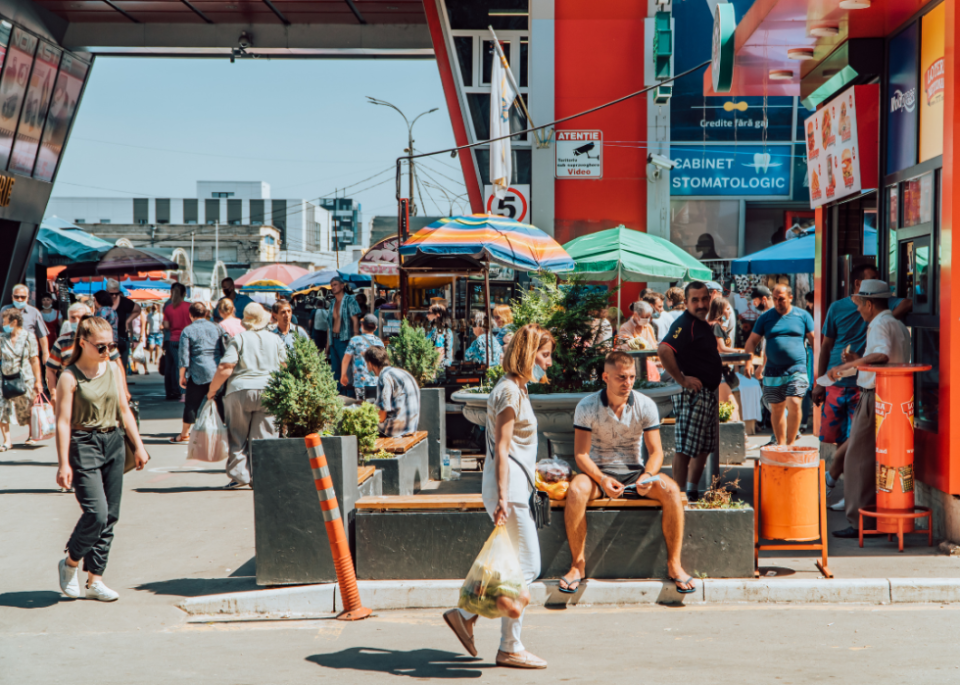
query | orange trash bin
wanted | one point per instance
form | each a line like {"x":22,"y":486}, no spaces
{"x":789,"y":493}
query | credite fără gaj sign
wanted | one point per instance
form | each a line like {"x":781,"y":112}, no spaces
{"x":833,"y":157}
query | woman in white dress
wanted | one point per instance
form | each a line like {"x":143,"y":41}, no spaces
{"x":512,"y":431}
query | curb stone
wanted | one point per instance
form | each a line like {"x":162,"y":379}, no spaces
{"x":314,"y":600}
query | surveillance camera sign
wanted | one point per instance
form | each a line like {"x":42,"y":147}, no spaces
{"x":579,"y":154}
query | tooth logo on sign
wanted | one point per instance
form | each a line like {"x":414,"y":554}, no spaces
{"x":907,"y":408}
{"x":883,"y":410}
{"x":761,"y":162}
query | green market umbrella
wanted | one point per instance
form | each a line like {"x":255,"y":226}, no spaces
{"x":627,"y":255}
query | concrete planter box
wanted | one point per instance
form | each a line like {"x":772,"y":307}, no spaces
{"x":621,"y":543}
{"x":291,"y":539}
{"x":555,"y":414}
{"x":733,"y":443}
{"x":433,"y":419}
{"x":405,"y":473}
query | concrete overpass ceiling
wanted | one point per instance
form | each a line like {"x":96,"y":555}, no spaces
{"x":213,"y":28}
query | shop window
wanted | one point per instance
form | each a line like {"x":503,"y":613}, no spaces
{"x":234,"y":212}
{"x":916,"y":272}
{"x":162,"y":210}
{"x":524,"y":61}
{"x":707,"y":229}
{"x":487,"y":54}
{"x":893,"y":209}
{"x":522,"y":165}
{"x":918,"y":201}
{"x":141,"y":210}
{"x":926,"y":350}
{"x":464,"y":47}
{"x":256,"y":212}
{"x":505,"y":15}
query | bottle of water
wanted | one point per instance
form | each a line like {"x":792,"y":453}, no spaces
{"x":445,"y":473}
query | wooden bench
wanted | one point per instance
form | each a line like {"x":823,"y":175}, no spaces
{"x":364,"y":473}
{"x":402,"y":444}
{"x":472,"y":502}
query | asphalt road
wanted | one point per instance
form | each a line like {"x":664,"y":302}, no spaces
{"x":734,"y":644}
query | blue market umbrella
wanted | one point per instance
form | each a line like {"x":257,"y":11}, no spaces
{"x":797,"y":256}
{"x":63,"y":239}
{"x":324,"y":277}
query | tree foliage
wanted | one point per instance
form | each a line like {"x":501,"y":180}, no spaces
{"x":569,"y":312}
{"x":302,"y":394}
{"x":415,"y":353}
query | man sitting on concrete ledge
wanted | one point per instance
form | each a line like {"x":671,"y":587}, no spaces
{"x":398,"y":396}
{"x":609,"y":425}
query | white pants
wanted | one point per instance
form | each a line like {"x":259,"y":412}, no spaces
{"x":246,"y":420}
{"x":526,"y":543}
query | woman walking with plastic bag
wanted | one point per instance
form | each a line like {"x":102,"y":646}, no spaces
{"x":507,"y":474}
{"x":92,"y":422}
{"x":20,"y":358}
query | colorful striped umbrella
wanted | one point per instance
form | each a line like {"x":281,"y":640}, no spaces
{"x":265,"y":286}
{"x":285,"y":273}
{"x":493,"y":238}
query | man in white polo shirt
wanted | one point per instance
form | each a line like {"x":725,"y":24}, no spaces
{"x":609,"y":426}
{"x":888,"y":342}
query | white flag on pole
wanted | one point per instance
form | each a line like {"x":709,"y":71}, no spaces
{"x":502,"y":96}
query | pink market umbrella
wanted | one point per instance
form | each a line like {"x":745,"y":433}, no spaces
{"x":285,"y":273}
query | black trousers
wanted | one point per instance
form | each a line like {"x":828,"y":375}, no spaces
{"x":171,"y":379}
{"x":97,"y":461}
{"x":195,"y":395}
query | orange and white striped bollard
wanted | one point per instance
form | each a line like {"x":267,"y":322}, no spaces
{"x":353,"y":610}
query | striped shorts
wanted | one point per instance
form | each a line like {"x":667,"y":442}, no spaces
{"x":797,"y":386}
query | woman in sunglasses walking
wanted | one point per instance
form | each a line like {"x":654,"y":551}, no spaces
{"x":92,"y":419}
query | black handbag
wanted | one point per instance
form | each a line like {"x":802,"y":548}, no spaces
{"x":539,"y":501}
{"x":13,"y":384}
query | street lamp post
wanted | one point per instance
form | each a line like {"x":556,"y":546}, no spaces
{"x":409,"y":150}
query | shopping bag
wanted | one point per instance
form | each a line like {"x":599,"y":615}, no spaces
{"x":208,"y":439}
{"x":495,"y":576}
{"x":43,"y":423}
{"x":140,"y":351}
{"x":553,"y":477}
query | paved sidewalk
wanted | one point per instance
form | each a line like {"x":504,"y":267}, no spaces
{"x":181,"y":536}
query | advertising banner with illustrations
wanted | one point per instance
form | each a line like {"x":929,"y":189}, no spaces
{"x":933,"y":81}
{"x":833,"y":157}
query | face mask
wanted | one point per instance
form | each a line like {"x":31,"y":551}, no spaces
{"x":7,"y":329}
{"x":644,"y":322}
{"x":656,"y":315}
{"x":19,"y":304}
{"x":47,"y":306}
{"x":72,"y":326}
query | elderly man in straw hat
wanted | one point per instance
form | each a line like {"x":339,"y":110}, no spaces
{"x":888,"y":342}
{"x":246,"y":366}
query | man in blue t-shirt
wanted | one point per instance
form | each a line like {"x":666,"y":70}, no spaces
{"x":785,"y":329}
{"x":843,"y":328}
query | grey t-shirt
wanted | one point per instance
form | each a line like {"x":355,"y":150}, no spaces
{"x":256,"y":354}
{"x":615,"y":443}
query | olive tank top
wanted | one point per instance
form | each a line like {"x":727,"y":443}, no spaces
{"x":96,"y":403}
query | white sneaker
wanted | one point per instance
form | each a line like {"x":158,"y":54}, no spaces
{"x":69,"y":583}
{"x":97,"y":590}
{"x":838,"y":506}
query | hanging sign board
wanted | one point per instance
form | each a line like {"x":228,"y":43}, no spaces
{"x":724,"y":29}
{"x":579,"y":154}
{"x":833,"y":155}
{"x":933,"y":82}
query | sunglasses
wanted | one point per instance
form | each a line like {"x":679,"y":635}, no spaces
{"x":21,"y":298}
{"x":103,"y":347}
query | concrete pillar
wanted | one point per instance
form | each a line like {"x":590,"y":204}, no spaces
{"x":540,"y":102}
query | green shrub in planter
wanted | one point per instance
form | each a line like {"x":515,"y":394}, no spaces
{"x":415,"y":353}
{"x":361,"y":421}
{"x":302,"y":395}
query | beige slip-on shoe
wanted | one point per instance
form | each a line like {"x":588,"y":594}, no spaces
{"x":521,"y":660}
{"x":462,"y":628}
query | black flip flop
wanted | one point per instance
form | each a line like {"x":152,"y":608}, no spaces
{"x":689,"y":579}
{"x":572,"y":585}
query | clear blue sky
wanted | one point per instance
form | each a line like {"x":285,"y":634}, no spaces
{"x":153,"y":127}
